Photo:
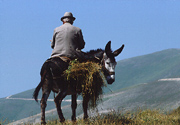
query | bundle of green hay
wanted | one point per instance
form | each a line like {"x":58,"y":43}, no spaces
{"x":88,"y":79}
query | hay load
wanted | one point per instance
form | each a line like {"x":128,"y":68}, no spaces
{"x":89,"y":79}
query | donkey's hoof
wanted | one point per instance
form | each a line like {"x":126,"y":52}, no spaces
{"x":43,"y":123}
{"x":62,"y":120}
{"x":73,"y":119}
{"x":85,"y":117}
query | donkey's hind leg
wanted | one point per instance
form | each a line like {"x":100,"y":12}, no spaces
{"x":45,"y":95}
{"x":58,"y":99}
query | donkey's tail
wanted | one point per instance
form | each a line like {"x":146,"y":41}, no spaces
{"x":36,"y":91}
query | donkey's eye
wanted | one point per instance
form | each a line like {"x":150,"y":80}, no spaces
{"x":108,"y":63}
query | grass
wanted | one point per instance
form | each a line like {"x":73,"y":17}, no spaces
{"x":144,"y":117}
{"x":156,"y":118}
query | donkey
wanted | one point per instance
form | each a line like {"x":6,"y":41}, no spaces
{"x":52,"y":80}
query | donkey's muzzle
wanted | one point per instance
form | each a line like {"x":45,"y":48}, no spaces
{"x":110,"y":81}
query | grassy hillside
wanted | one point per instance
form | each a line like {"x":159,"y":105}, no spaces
{"x":129,"y":73}
{"x":163,"y":95}
{"x":14,"y":108}
{"x":145,"y":100}
{"x":147,"y":68}
{"x":142,"y":117}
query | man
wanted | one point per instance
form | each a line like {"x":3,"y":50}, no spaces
{"x":67,"y":39}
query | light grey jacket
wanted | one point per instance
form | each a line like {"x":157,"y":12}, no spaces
{"x":66,"y":39}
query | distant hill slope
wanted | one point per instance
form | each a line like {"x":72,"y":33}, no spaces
{"x":163,"y":95}
{"x":129,"y":72}
{"x":19,"y":106}
{"x":147,"y":68}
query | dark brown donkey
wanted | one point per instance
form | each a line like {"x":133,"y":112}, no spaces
{"x":59,"y":85}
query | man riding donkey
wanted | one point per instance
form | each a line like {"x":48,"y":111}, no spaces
{"x":67,"y":43}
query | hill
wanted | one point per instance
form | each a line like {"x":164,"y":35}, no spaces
{"x":130,"y":73}
{"x":163,"y":95}
{"x":147,"y":68}
{"x":22,"y":105}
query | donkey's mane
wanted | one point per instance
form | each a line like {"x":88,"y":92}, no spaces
{"x":93,"y":52}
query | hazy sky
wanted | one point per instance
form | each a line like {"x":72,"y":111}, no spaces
{"x":26,"y":26}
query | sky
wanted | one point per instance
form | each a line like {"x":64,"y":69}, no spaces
{"x":26,"y":28}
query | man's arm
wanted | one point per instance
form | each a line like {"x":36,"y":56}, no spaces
{"x":53,"y":40}
{"x":81,"y":40}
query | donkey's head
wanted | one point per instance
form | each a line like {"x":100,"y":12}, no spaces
{"x":109,"y":62}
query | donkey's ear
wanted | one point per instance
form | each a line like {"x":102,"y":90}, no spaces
{"x":118,"y":51}
{"x":108,"y":47}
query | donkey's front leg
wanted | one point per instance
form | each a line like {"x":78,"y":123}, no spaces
{"x":85,"y":106}
{"x":58,"y":99}
{"x":74,"y":106}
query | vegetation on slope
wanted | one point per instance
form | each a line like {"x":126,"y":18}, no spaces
{"x":147,"y":68}
{"x":150,"y":117}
